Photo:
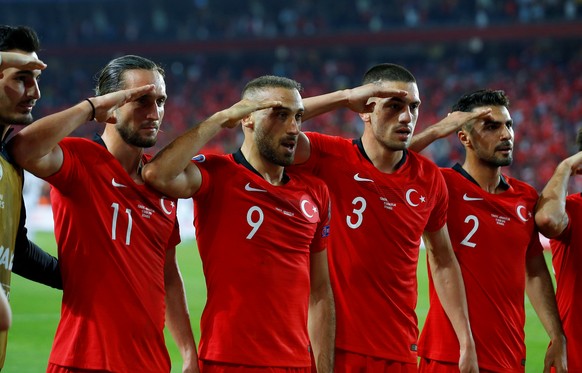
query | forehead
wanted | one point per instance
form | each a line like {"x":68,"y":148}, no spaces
{"x":498,"y":113}
{"x":139,"y":77}
{"x":291,"y":98}
{"x":411,"y":89}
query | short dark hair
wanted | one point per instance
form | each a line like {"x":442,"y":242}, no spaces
{"x":480,"y":98}
{"x":18,"y":37}
{"x":388,"y":72}
{"x":269,"y":81}
{"x":110,"y":78}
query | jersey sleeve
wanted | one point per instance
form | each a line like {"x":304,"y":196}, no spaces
{"x":70,"y":169}
{"x":200,"y":161}
{"x":438,"y":216}
{"x":320,"y":239}
{"x":321,"y":145}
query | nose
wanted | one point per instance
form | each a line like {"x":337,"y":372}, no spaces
{"x":155,"y":112}
{"x":294,"y":126}
{"x":406,"y":115}
{"x":33,"y":90}
{"x":506,"y":133}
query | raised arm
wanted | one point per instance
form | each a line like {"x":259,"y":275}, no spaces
{"x":36,"y":148}
{"x":551,"y":217}
{"x":450,"y":288}
{"x":450,"y":124}
{"x":20,"y":61}
{"x":540,"y":291}
{"x":355,"y":99}
{"x":171,"y":171}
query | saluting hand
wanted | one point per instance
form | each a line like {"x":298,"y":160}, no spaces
{"x":243,"y":108}
{"x":106,"y":104}
{"x":20,"y":61}
{"x":358,"y":97}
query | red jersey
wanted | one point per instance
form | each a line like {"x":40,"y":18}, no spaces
{"x":255,"y":241}
{"x":112,"y":237}
{"x":378,"y":220}
{"x":492,"y":235}
{"x":567,"y":261}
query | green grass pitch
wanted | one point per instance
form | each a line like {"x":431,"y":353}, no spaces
{"x":36,"y":311}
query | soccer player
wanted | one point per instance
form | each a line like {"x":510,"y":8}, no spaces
{"x":384,"y":198}
{"x":492,"y":229}
{"x":262,"y":235}
{"x":559,"y":217}
{"x":19,"y":91}
{"x":116,"y":236}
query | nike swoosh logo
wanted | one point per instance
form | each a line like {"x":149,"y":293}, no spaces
{"x":467,"y":198}
{"x":358,"y":178}
{"x":249,"y":188}
{"x":117,"y":185}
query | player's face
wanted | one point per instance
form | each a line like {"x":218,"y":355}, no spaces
{"x":394,"y":118}
{"x":491,"y":138}
{"x":138,"y":122}
{"x":18,"y":94}
{"x":276,"y":129}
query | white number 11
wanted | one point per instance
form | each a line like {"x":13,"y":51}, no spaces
{"x":114,"y":223}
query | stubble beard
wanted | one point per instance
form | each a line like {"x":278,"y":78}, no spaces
{"x":134,"y":139}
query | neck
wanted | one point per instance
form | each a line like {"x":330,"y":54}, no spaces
{"x":4,"y":130}
{"x":271,"y":172}
{"x":487,"y":177}
{"x":129,"y":156}
{"x":383,"y":158}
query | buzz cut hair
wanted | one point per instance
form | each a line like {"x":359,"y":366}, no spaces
{"x":269,"y":81}
{"x":388,"y":72}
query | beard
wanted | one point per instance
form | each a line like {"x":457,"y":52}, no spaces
{"x":133,"y":138}
{"x":268,"y":149}
{"x":19,"y":119}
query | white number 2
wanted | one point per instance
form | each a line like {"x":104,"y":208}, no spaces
{"x":114,"y":223}
{"x":466,"y":241}
{"x":255,"y":224}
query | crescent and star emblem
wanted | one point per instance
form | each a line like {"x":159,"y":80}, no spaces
{"x":520,"y":214}
{"x":409,"y":193}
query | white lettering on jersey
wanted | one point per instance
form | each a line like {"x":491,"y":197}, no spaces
{"x":6,"y":258}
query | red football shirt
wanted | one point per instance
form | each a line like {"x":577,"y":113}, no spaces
{"x":378,"y":220}
{"x":112,"y":237}
{"x":255,"y":241}
{"x":492,"y":234}
{"x":567,"y":261}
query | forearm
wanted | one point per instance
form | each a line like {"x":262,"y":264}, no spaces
{"x":423,"y":139}
{"x":173,"y":159}
{"x":450,"y":289}
{"x":540,"y":291}
{"x":551,"y":217}
{"x":318,"y":105}
{"x":178,"y":322}
{"x":38,"y":139}
{"x":322,"y":329}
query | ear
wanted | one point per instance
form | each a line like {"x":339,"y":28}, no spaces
{"x":464,"y":138}
{"x":365,"y":117}
{"x":112,"y":119}
{"x":248,"y":122}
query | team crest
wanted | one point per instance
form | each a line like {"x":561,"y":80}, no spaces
{"x":309,"y":209}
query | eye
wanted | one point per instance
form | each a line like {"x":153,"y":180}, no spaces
{"x":161,"y":102}
{"x":299,"y":117}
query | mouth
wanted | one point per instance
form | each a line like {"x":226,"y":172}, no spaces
{"x":404,"y":132}
{"x":289,"y":144}
{"x":26,"y":106}
{"x":504,"y":148}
